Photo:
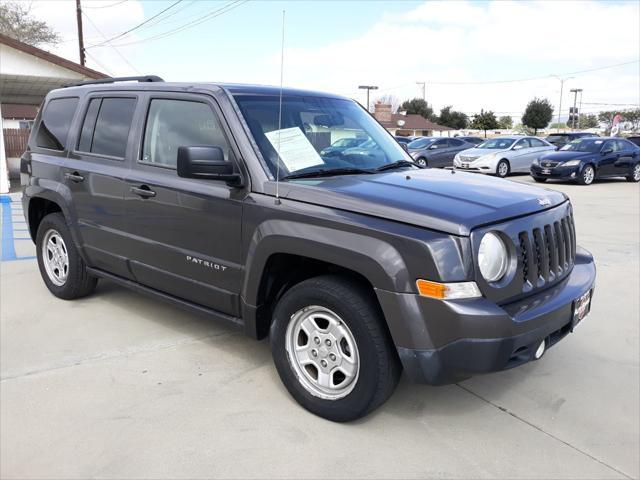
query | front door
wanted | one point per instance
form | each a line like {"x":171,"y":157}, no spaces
{"x":608,"y":157}
{"x":437,"y":153}
{"x":184,"y":234}
{"x":521,"y":156}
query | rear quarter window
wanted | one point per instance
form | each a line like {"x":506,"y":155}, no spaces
{"x":56,"y":121}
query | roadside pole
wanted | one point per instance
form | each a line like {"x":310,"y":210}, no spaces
{"x":4,"y":170}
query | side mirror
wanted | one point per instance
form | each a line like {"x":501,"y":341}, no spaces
{"x":432,"y":147}
{"x":206,"y":162}
{"x":404,"y":147}
{"x":607,"y":151}
{"x":518,"y":147}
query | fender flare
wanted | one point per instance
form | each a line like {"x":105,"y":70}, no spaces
{"x":376,"y":260}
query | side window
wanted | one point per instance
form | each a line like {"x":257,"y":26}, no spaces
{"x":440,"y":144}
{"x":520,"y":144}
{"x":623,"y":145}
{"x":537,"y":143}
{"x":106,"y":126}
{"x":454,"y":142}
{"x":179,"y":123}
{"x":55,"y":123}
{"x":610,"y":145}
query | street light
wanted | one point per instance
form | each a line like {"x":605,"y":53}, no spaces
{"x":562,"y":80}
{"x":575,"y":98}
{"x":368,"y":88}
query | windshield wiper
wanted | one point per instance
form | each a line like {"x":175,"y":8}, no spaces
{"x":398,"y":164}
{"x":326,"y":172}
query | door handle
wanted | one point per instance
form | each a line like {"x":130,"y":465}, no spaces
{"x":143,"y":191}
{"x":74,"y":177}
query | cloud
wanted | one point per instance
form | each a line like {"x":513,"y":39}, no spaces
{"x":441,"y":42}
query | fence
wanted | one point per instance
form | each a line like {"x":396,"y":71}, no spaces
{"x":15,"y":141}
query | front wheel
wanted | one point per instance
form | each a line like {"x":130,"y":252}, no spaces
{"x":587,"y":175}
{"x":422,"y":162}
{"x":502,"y":169}
{"x":634,"y":176}
{"x":332,"y":350}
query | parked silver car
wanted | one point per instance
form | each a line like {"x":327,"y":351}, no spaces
{"x":503,"y":155}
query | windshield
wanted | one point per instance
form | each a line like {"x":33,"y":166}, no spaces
{"x":311,"y":124}
{"x":583,"y":145}
{"x":555,"y":138}
{"x":497,"y":143}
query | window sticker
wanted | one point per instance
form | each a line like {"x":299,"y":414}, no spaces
{"x":296,"y":151}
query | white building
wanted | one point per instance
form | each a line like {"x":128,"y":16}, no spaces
{"x":27,"y":74}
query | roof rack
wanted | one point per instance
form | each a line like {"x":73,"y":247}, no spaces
{"x":144,"y":78}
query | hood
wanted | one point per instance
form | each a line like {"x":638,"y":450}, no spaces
{"x":478,"y":152}
{"x":566,"y":155}
{"x":432,"y":198}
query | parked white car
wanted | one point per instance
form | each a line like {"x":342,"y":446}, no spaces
{"x":502,"y":155}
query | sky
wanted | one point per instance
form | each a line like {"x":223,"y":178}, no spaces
{"x":493,"y":55}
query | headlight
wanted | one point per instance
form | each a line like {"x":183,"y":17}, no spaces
{"x":571,"y":163}
{"x":535,"y":162}
{"x":492,"y":257}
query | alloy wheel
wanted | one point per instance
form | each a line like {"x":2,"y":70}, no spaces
{"x":588,"y":175}
{"x":323,"y":352}
{"x":55,"y":257}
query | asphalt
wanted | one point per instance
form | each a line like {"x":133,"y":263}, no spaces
{"x":119,"y":385}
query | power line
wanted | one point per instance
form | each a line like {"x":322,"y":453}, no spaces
{"x":114,"y":48}
{"x":108,"y":6}
{"x":216,"y":13}
{"x":138,"y":26}
{"x":102,"y":67}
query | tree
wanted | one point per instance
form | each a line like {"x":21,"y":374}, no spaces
{"x":607,"y":118}
{"x":16,"y":22}
{"x":632,"y":117}
{"x":538,"y":114}
{"x":389,"y":100}
{"x":588,"y":121}
{"x":452,"y":118}
{"x":556,"y":126}
{"x":420,"y":107}
{"x":505,"y":122}
{"x":484,"y":121}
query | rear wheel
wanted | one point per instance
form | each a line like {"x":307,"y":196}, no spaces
{"x":332,"y":350}
{"x":634,"y":176}
{"x":62,"y":269}
{"x":587,"y":175}
{"x":502,"y":169}
{"x":422,"y":162}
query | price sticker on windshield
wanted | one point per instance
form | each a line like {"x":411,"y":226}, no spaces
{"x":294,"y":148}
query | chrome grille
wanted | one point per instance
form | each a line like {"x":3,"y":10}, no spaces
{"x":547,"y":253}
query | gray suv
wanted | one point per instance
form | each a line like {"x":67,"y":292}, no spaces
{"x":217,"y":198}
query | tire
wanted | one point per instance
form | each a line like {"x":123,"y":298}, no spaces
{"x":503,"y":168}
{"x":634,"y":176}
{"x":335,"y":304}
{"x":539,"y":179}
{"x":71,"y":280}
{"x":422,"y":162}
{"x":587,"y":175}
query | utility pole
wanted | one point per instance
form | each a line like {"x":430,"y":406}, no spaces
{"x":562,"y":80}
{"x":424,"y":91}
{"x":368,"y":88}
{"x":580,"y":109}
{"x":80,"y":37}
{"x":575,"y":98}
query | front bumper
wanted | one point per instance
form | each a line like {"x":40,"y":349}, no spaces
{"x":443,"y":342}
{"x":477,"y":166}
{"x":558,"y":173}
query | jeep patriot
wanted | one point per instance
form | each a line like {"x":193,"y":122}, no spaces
{"x":356,"y":265}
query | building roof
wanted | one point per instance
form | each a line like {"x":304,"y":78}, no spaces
{"x":19,"y":111}
{"x":412,"y":122}
{"x":50,"y":57}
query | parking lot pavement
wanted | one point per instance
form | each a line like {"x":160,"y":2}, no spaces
{"x":119,"y":385}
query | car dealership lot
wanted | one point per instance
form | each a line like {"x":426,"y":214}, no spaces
{"x":119,"y":385}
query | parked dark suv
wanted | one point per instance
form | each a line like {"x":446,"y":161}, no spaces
{"x":216,"y":198}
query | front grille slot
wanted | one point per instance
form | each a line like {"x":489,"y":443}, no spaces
{"x":547,"y":253}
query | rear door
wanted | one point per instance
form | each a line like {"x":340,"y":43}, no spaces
{"x":184,"y":234}
{"x":94,"y":173}
{"x":628,"y":157}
